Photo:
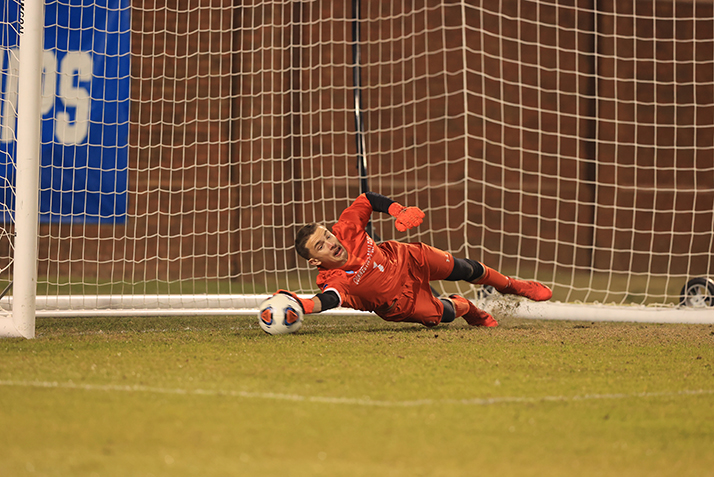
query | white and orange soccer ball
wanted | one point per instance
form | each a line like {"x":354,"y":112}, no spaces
{"x":280,"y":314}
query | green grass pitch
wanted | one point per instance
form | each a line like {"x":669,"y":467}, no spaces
{"x":356,"y":396}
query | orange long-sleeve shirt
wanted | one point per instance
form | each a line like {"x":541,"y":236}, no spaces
{"x":391,"y":279}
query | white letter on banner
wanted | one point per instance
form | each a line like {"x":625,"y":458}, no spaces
{"x":8,"y":115}
{"x":2,"y":101}
{"x":79,"y":65}
{"x":49,"y":81}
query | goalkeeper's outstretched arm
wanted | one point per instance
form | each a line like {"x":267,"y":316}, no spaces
{"x":406,"y":217}
{"x":320,"y":302}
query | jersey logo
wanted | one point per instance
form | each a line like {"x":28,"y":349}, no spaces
{"x":370,"y":251}
{"x":381,"y":267}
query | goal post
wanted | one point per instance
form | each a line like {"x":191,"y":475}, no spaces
{"x":182,"y":146}
{"x":29,"y":21}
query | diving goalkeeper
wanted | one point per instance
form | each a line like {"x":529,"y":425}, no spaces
{"x":392,"y":278}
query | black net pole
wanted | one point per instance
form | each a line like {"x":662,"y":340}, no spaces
{"x":359,"y":118}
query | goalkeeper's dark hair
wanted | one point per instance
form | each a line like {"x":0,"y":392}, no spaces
{"x":301,"y":239}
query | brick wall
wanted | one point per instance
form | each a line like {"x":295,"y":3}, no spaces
{"x":227,"y":143}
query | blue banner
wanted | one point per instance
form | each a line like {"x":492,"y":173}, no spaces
{"x":85,"y":110}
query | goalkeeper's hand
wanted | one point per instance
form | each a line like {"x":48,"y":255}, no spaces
{"x":407,"y":217}
{"x":308,"y":306}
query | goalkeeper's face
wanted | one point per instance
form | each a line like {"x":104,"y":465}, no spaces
{"x":325,"y":250}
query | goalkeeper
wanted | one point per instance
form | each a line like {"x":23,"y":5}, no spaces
{"x":392,"y":278}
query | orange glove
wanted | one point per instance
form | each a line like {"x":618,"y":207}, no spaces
{"x":407,"y":217}
{"x":307,"y":305}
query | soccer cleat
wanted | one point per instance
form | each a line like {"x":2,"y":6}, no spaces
{"x":476,"y":316}
{"x":528,"y":288}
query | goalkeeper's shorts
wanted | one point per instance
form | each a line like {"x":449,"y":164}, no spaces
{"x":417,"y":303}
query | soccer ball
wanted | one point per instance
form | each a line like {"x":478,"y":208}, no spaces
{"x":280,"y":314}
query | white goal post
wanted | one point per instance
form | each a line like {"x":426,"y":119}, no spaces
{"x":178,"y":148}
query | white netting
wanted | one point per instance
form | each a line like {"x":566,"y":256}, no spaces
{"x":9,"y":63}
{"x":551,"y":141}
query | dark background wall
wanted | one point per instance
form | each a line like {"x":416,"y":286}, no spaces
{"x":551,"y":133}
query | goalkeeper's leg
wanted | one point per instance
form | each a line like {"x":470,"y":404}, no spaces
{"x":479,"y":274}
{"x":474,"y":316}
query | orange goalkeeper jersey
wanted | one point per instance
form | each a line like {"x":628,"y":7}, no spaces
{"x":390,"y":279}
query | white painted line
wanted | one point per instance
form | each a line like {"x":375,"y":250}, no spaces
{"x":344,"y":400}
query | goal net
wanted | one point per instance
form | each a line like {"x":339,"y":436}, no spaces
{"x":182,"y":145}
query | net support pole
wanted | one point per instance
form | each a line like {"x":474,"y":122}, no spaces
{"x":28,"y":167}
{"x":357,"y":79}
{"x":359,"y":117}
